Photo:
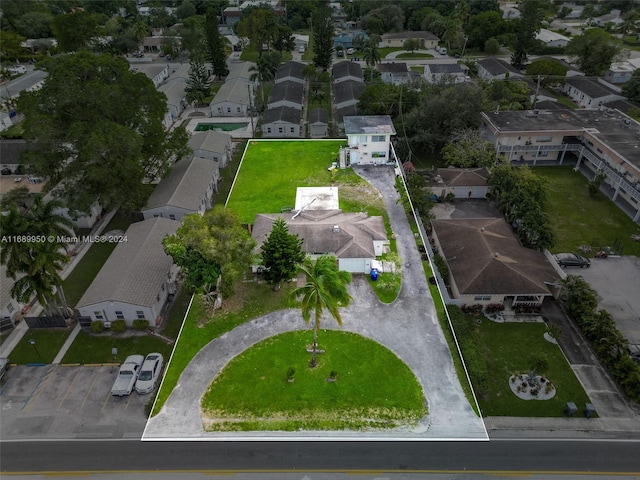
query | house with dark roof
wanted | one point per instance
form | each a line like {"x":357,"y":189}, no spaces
{"x":355,"y":239}
{"x":347,"y":71}
{"x":10,"y":152}
{"x":187,"y":189}
{"x":347,"y":93}
{"x":492,"y":68}
{"x":281,"y":122}
{"x":286,"y":94}
{"x":590,"y":93}
{"x":318,"y":123}
{"x":290,"y":72}
{"x":394,"y":73}
{"x":464,"y":183}
{"x":444,"y":73}
{"x":212,"y":145}
{"x":427,"y":40}
{"x":137,"y":278}
{"x":368,"y":140}
{"x":487,"y":264}
{"x":341,"y":113}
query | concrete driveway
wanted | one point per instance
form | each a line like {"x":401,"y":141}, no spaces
{"x":408,"y":327}
{"x":67,"y":402}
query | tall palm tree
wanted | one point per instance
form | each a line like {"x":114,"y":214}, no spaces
{"x":261,"y":72}
{"x":36,"y":262}
{"x":326,"y":288}
{"x":371,"y":54}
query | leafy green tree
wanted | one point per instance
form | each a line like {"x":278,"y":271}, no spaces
{"x":417,"y":194}
{"x":631,"y":89}
{"x":186,"y":10}
{"x":11,"y":44}
{"x":325,"y":289}
{"x":505,"y":94}
{"x":16,"y":196}
{"x":284,"y":40}
{"x":97,"y":130}
{"x":211,"y":245}
{"x":73,"y":31}
{"x":281,"y":254}
{"x":388,"y":18}
{"x":594,"y":51}
{"x":526,"y":27}
{"x":36,"y":265}
{"x":467,"y":148}
{"x":552,"y":70}
{"x":492,"y":46}
{"x":262,"y":72}
{"x":594,"y":185}
{"x":411,"y":44}
{"x":260,"y":27}
{"x":216,"y":49}
{"x":322,"y":31}
{"x":34,"y":24}
{"x":193,"y":37}
{"x":484,"y":26}
{"x":159,"y":17}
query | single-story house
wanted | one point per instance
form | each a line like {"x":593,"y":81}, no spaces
{"x":158,"y":73}
{"x":155,"y":44}
{"x":240,"y":71}
{"x":232,"y":100}
{"x":394,"y":73}
{"x":347,"y":93}
{"x":281,"y":122}
{"x":462,"y":182}
{"x":176,"y":99}
{"x":368,"y":140}
{"x":212,"y":145}
{"x":492,"y":68}
{"x":444,"y":73}
{"x":590,"y":93}
{"x":187,"y":189}
{"x":355,"y":239}
{"x":620,"y":72}
{"x":487,"y":264}
{"x":551,"y":38}
{"x":290,"y":72}
{"x":341,"y":113}
{"x":137,"y":278}
{"x":318,"y":123}
{"x":347,"y":71}
{"x":427,"y":40}
{"x":345,"y":39}
{"x":613,"y":17}
{"x":286,"y":94}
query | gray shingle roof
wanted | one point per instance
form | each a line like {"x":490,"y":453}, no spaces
{"x":347,"y":69}
{"x":281,"y":114}
{"x":174,"y":90}
{"x":589,"y":87}
{"x":185,"y":186}
{"x":210,"y":141}
{"x":287,"y":91}
{"x":422,"y":34}
{"x":392,"y":67}
{"x":290,"y":69}
{"x":369,"y":124}
{"x":136,"y":269}
{"x":464,"y":177}
{"x":354,"y":238}
{"x":235,"y":91}
{"x":348,"y":90}
{"x":348,"y":111}
{"x":239,"y":70}
{"x":318,"y":115}
{"x":495,"y":66}
{"x":150,"y":70}
{"x":470,"y":247}
{"x":445,"y":68}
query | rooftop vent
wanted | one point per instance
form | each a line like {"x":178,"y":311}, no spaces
{"x":336,"y":229}
{"x":496,"y":254}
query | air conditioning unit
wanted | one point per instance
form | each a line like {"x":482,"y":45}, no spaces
{"x":107,"y":325}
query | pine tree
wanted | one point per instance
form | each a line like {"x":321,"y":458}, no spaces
{"x":281,"y":254}
{"x":322,"y":36}
{"x":198,"y":77}
{"x":215,"y":45}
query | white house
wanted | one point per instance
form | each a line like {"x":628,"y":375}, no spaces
{"x":427,"y":40}
{"x":136,"y":279}
{"x":395,"y":73}
{"x":176,"y":99}
{"x":212,"y":145}
{"x":465,"y":183}
{"x":187,"y":189}
{"x":233,"y":99}
{"x":158,"y":73}
{"x":590,"y":93}
{"x":281,"y":122}
{"x":368,"y":140}
{"x":620,"y":72}
{"x":444,"y":73}
{"x":318,"y":123}
{"x":81,"y":219}
{"x":286,"y":94}
{"x":552,"y":39}
{"x":491,"y":68}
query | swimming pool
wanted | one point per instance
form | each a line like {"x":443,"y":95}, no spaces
{"x":220,"y":127}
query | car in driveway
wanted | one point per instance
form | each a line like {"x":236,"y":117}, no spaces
{"x":127,"y":376}
{"x":4,"y":366}
{"x":572,"y":260}
{"x":149,"y":373}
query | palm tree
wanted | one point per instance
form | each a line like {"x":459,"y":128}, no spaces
{"x":538,"y":364}
{"x":371,"y":54}
{"x":37,"y":262}
{"x":326,"y":288}
{"x":261,"y":72}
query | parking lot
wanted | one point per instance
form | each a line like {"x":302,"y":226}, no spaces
{"x":61,"y":402}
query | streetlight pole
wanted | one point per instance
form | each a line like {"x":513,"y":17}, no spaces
{"x":33,"y":344}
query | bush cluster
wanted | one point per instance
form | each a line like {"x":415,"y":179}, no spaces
{"x":442,"y":267}
{"x":473,"y":309}
{"x":580,"y":302}
{"x":97,"y":326}
{"x":471,"y":351}
{"x":494,"y":308}
{"x":118,"y":326}
{"x":140,"y":324}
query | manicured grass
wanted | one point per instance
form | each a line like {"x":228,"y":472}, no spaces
{"x":373,"y":387}
{"x":49,"y":341}
{"x":578,"y":219}
{"x":227,"y":175}
{"x":506,"y":347}
{"x":201,"y":326}
{"x":562,"y":99}
{"x":176,"y":314}
{"x":86,"y":270}
{"x":272,"y":170}
{"x":250,"y":54}
{"x":89,"y":348}
{"x":414,"y":55}
{"x":386,"y":287}
{"x":383,"y":51}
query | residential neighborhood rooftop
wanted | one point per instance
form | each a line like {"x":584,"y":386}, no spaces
{"x":346,"y":68}
{"x":369,"y":124}
{"x":283,"y":114}
{"x":445,"y":68}
{"x":590,"y":87}
{"x":318,"y":115}
{"x":290,"y":69}
{"x":288,"y":91}
{"x":210,"y":141}
{"x":495,"y":66}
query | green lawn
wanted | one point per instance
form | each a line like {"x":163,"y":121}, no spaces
{"x":272,"y":170}
{"x":409,"y":55}
{"x":579,"y":219}
{"x":201,"y":326}
{"x":250,"y":54}
{"x":89,"y":348}
{"x":86,"y":270}
{"x":506,"y":347}
{"x":49,"y":341}
{"x":176,"y":314}
{"x":373,"y":387}
{"x":386,"y":287}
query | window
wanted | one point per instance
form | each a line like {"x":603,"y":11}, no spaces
{"x":543,"y":154}
{"x":228,"y":109}
{"x":378,"y":138}
{"x":239,"y":110}
{"x":280,"y":130}
{"x":363,"y":139}
{"x":10,"y":308}
{"x":98,"y":315}
{"x":378,"y":155}
{"x":268,"y":129}
{"x":155,"y":215}
{"x":140,"y":314}
{"x":482,"y":298}
{"x":293,"y":130}
{"x":172,"y":216}
{"x":119,"y":315}
{"x":546,"y":138}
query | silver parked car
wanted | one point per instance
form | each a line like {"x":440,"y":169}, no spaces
{"x":149,"y":373}
{"x":572,"y":260}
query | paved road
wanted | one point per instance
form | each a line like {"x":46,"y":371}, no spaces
{"x":408,"y":327}
{"x":512,"y":455}
{"x":28,"y":80}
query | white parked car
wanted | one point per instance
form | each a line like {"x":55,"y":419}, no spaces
{"x":351,"y":51}
{"x":127,"y":376}
{"x":149,"y":373}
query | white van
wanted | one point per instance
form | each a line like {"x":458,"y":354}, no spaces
{"x":17,"y":69}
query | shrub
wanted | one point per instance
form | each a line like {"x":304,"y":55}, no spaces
{"x":333,"y":374}
{"x":473,"y":309}
{"x":290,"y":373}
{"x":97,"y":326}
{"x":494,"y":308}
{"x":140,"y":324}
{"x":118,"y":326}
{"x":442,"y":267}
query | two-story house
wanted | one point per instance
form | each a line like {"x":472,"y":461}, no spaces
{"x":368,"y":140}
